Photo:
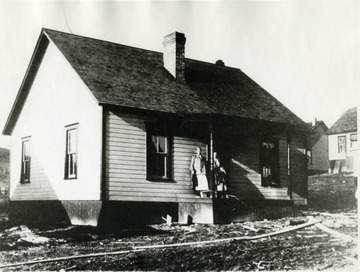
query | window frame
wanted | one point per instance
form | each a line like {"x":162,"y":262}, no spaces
{"x":25,"y":165}
{"x":153,"y":131}
{"x":71,"y":157}
{"x":342,"y":150}
{"x":353,"y":143}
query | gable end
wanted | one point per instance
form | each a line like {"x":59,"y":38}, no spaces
{"x":26,"y":84}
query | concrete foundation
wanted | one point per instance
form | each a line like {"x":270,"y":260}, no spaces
{"x":126,"y":213}
{"x":83,"y":212}
{"x":197,"y":210}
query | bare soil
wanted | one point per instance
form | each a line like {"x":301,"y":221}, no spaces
{"x":306,"y":249}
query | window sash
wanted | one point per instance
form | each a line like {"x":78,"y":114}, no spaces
{"x":341,"y":144}
{"x":71,"y":165}
{"x":158,"y":157}
{"x":71,"y":152}
{"x":25,"y":161}
{"x":71,"y":141}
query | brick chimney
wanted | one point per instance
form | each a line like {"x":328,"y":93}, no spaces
{"x":174,"y":54}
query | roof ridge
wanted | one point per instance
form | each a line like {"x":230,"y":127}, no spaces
{"x":213,"y":64}
{"x":100,"y":40}
{"x":139,"y":48}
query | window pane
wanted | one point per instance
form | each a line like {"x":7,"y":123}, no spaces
{"x":152,"y":165}
{"x":162,"y":144}
{"x":72,"y":164}
{"x":72,"y":141}
{"x":152,"y":147}
{"x":71,"y":152}
{"x":26,"y":150}
{"x":25,"y":167}
{"x":161,"y":164}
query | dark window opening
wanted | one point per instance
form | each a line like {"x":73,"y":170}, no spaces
{"x":269,"y":163}
{"x":158,"y":158}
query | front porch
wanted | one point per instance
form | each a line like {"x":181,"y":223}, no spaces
{"x":263,"y":160}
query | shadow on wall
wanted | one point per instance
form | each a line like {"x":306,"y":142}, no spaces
{"x":121,"y":213}
{"x":299,"y":173}
{"x":107,"y":215}
{"x":39,"y":187}
{"x":244,"y":182}
{"x":36,"y":203}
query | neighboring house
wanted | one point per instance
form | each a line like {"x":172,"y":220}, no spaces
{"x":342,"y":137}
{"x":317,"y":152}
{"x":103,"y":132}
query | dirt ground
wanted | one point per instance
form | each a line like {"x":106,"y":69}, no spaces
{"x":305,"y":249}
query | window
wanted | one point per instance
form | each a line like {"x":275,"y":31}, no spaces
{"x":157,"y":157}
{"x":25,"y":161}
{"x":269,"y":162}
{"x":342,"y":144}
{"x":71,"y":152}
{"x":353,"y":140}
{"x":309,"y":156}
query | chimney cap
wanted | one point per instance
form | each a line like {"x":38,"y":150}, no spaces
{"x":174,"y":54}
{"x":220,"y":63}
{"x":178,"y":37}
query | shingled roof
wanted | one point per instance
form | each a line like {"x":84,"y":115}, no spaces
{"x":346,"y":123}
{"x":125,"y":76}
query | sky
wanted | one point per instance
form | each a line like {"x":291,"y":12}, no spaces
{"x":304,"y":53}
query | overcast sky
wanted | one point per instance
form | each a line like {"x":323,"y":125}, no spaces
{"x":305,"y":53}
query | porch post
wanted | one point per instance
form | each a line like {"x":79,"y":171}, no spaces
{"x":288,"y":141}
{"x":211,"y":177}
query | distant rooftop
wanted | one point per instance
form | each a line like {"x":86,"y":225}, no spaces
{"x":346,"y":123}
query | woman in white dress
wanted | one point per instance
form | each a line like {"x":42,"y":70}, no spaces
{"x":198,"y":169}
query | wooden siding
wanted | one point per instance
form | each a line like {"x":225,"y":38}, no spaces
{"x":126,"y":165}
{"x":125,"y":174}
{"x":283,"y":162}
{"x":298,"y":170}
{"x":39,"y":186}
{"x":244,"y":176}
{"x":320,"y":155}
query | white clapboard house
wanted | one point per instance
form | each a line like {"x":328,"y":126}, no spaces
{"x":103,"y":133}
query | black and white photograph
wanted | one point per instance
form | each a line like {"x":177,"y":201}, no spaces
{"x":179,"y":135}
